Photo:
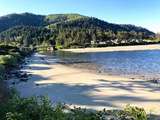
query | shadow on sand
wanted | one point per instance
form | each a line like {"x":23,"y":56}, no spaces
{"x":81,"y":94}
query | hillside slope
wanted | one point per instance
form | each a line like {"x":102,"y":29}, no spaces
{"x":75,"y":20}
{"x":13,"y":20}
{"x":68,"y":30}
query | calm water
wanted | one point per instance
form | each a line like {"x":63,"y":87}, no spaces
{"x":144,"y":64}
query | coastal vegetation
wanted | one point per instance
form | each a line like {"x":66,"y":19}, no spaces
{"x":10,"y":57}
{"x":69,"y":31}
{"x":40,"y":108}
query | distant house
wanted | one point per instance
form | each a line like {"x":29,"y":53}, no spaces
{"x":102,"y":43}
{"x":98,"y":42}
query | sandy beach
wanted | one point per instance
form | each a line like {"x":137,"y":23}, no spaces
{"x":117,"y":48}
{"x":83,"y":88}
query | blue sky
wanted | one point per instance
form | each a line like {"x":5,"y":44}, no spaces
{"x":145,"y":13}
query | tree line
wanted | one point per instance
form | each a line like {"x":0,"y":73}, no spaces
{"x":69,"y":30}
{"x":69,"y":37}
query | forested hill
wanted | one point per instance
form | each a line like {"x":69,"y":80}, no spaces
{"x":76,"y":20}
{"x":12,"y":20}
{"x":67,"y":30}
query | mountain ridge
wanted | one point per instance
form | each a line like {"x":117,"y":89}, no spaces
{"x":68,"y":30}
{"x":41,"y":19}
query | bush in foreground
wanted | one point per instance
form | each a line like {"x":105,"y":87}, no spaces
{"x":2,"y":71}
{"x":40,"y":108}
{"x":8,"y":60}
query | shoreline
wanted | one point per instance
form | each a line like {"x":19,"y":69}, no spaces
{"x":114,"y":49}
{"x":93,"y":68}
{"x":83,"y":88}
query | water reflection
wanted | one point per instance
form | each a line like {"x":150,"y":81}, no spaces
{"x":133,"y":63}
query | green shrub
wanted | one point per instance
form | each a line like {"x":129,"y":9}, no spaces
{"x":40,"y":108}
{"x":14,"y":116}
{"x":6,"y":49}
{"x":135,"y":112}
{"x":25,"y":52}
{"x":2,"y":71}
{"x":8,"y":60}
{"x":16,"y":55}
{"x":59,"y":47}
{"x":25,"y":109}
{"x":84,"y":114}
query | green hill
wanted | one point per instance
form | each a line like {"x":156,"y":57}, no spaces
{"x":68,"y":30}
{"x":26,"y":19}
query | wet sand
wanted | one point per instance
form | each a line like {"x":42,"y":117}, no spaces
{"x":117,"y":48}
{"x":81,"y":87}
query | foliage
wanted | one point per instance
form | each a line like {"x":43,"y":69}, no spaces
{"x":9,"y":57}
{"x":26,"y":19}
{"x":7,"y":49}
{"x":68,"y":30}
{"x":26,"y":35}
{"x":16,"y":55}
{"x":134,"y":113}
{"x":26,"y":108}
{"x":8,"y":60}
{"x":56,"y":18}
{"x":40,"y":108}
{"x":2,"y":71}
